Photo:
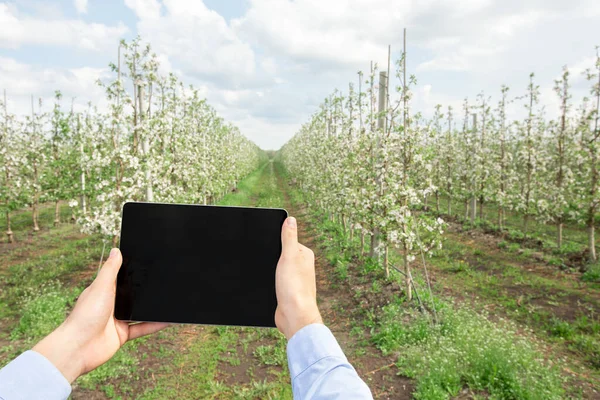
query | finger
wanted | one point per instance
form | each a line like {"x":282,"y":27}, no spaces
{"x":145,"y":328}
{"x":110,"y":269}
{"x":306,"y":252}
{"x":289,"y":236}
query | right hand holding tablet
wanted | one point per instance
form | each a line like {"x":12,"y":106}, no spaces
{"x":295,"y":283}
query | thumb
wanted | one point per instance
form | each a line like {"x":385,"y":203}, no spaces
{"x":110,"y":269}
{"x":289,"y":236}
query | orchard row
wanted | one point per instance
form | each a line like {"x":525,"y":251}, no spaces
{"x":372,"y":163}
{"x":156,"y":141}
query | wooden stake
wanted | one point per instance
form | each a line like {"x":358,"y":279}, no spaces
{"x":473,"y":208}
{"x":145,"y":146}
{"x":34,"y":205}
{"x":9,"y":232}
{"x":382,"y":104}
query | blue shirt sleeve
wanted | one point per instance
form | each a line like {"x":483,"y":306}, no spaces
{"x":31,"y":376}
{"x":319,"y":368}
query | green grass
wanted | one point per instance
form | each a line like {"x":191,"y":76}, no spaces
{"x":22,"y":224}
{"x":39,"y":281}
{"x":272,"y":354}
{"x":464,"y":277}
{"x":466,"y":349}
{"x":195,"y":373}
{"x":36,"y":286}
{"x":43,"y":309}
{"x":592,"y":275}
{"x":40,"y":278}
{"x":575,"y":236}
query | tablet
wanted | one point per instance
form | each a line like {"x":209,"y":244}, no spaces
{"x":199,"y":264}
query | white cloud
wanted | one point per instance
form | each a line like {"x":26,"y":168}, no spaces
{"x":327,"y":31}
{"x":577,"y":70}
{"x":266,"y":134}
{"x":144,"y":9}
{"x":21,"y":81}
{"x":19,"y":30}
{"x":268,"y":70}
{"x":81,"y":6}
{"x":198,"y":38}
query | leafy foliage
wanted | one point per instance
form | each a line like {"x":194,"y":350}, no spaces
{"x":157,"y":141}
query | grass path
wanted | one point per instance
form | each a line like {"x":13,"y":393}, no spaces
{"x":341,"y":313}
{"x":247,"y":363}
{"x":42,"y":275}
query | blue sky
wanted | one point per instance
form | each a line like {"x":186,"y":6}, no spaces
{"x":265,"y":65}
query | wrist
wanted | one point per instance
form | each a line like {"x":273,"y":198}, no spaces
{"x":306,"y":319}
{"x":61,"y":349}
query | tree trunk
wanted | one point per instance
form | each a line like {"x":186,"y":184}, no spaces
{"x":115,"y":240}
{"x":373,"y":246}
{"x":386,"y":263}
{"x":362,"y":243}
{"x":473,"y":209}
{"x":591,"y":236}
{"x":437,"y":202}
{"x":83,"y":199}
{"x":449,"y":206}
{"x":408,"y":280}
{"x":559,"y":235}
{"x":57,"y":213}
{"x":9,"y":232}
{"x":34,"y":215}
{"x":36,"y":199}
{"x":500,"y":219}
{"x":592,"y":242}
{"x":481,"y":208}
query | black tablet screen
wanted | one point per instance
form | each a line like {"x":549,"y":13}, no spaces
{"x":199,"y":264}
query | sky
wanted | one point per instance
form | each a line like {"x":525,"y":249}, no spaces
{"x":266,"y":65}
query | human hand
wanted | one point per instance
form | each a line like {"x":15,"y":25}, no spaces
{"x":91,"y":335}
{"x":295,"y":283}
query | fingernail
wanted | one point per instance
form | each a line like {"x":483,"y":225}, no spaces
{"x":113,"y":253}
{"x":291,"y":221}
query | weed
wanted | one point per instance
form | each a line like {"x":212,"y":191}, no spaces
{"x":514,"y":247}
{"x":588,"y":325}
{"x":271,"y":355}
{"x":555,"y":262}
{"x":44,"y":309}
{"x":459,"y":266}
{"x":589,"y":347}
{"x":341,"y":270}
{"x":592,"y":274}
{"x":122,"y":365}
{"x":527,"y":252}
{"x":109,"y":391}
{"x":376,"y":287}
{"x":567,"y":248}
{"x":515,"y":234}
{"x":465,"y":348}
{"x":559,"y":328}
